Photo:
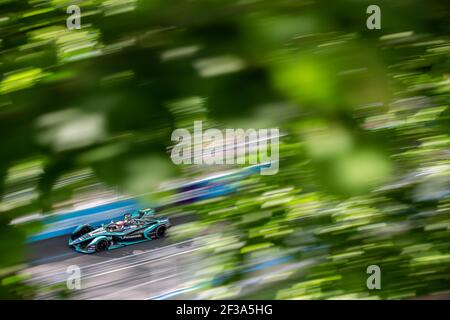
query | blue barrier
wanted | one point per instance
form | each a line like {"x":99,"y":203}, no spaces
{"x":64,"y":223}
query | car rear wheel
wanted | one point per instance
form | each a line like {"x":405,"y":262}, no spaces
{"x":102,"y":245}
{"x":160,"y":232}
{"x":81,"y":232}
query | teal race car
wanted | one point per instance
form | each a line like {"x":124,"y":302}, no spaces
{"x":137,"y":227}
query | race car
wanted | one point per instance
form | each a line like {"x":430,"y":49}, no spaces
{"x":137,"y":227}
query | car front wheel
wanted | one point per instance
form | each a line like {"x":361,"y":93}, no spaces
{"x":160,"y":232}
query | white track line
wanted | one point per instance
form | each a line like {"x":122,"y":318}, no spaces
{"x":137,"y":286}
{"x":120,"y":258}
{"x":93,"y":275}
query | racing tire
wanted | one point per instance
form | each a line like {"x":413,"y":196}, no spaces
{"x":160,"y":232}
{"x":81,"y":232}
{"x":102,"y":245}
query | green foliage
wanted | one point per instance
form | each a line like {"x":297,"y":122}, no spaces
{"x":364,"y":170}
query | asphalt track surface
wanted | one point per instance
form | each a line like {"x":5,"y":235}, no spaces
{"x":141,"y":271}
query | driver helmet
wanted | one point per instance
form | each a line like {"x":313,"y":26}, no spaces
{"x":120,"y":224}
